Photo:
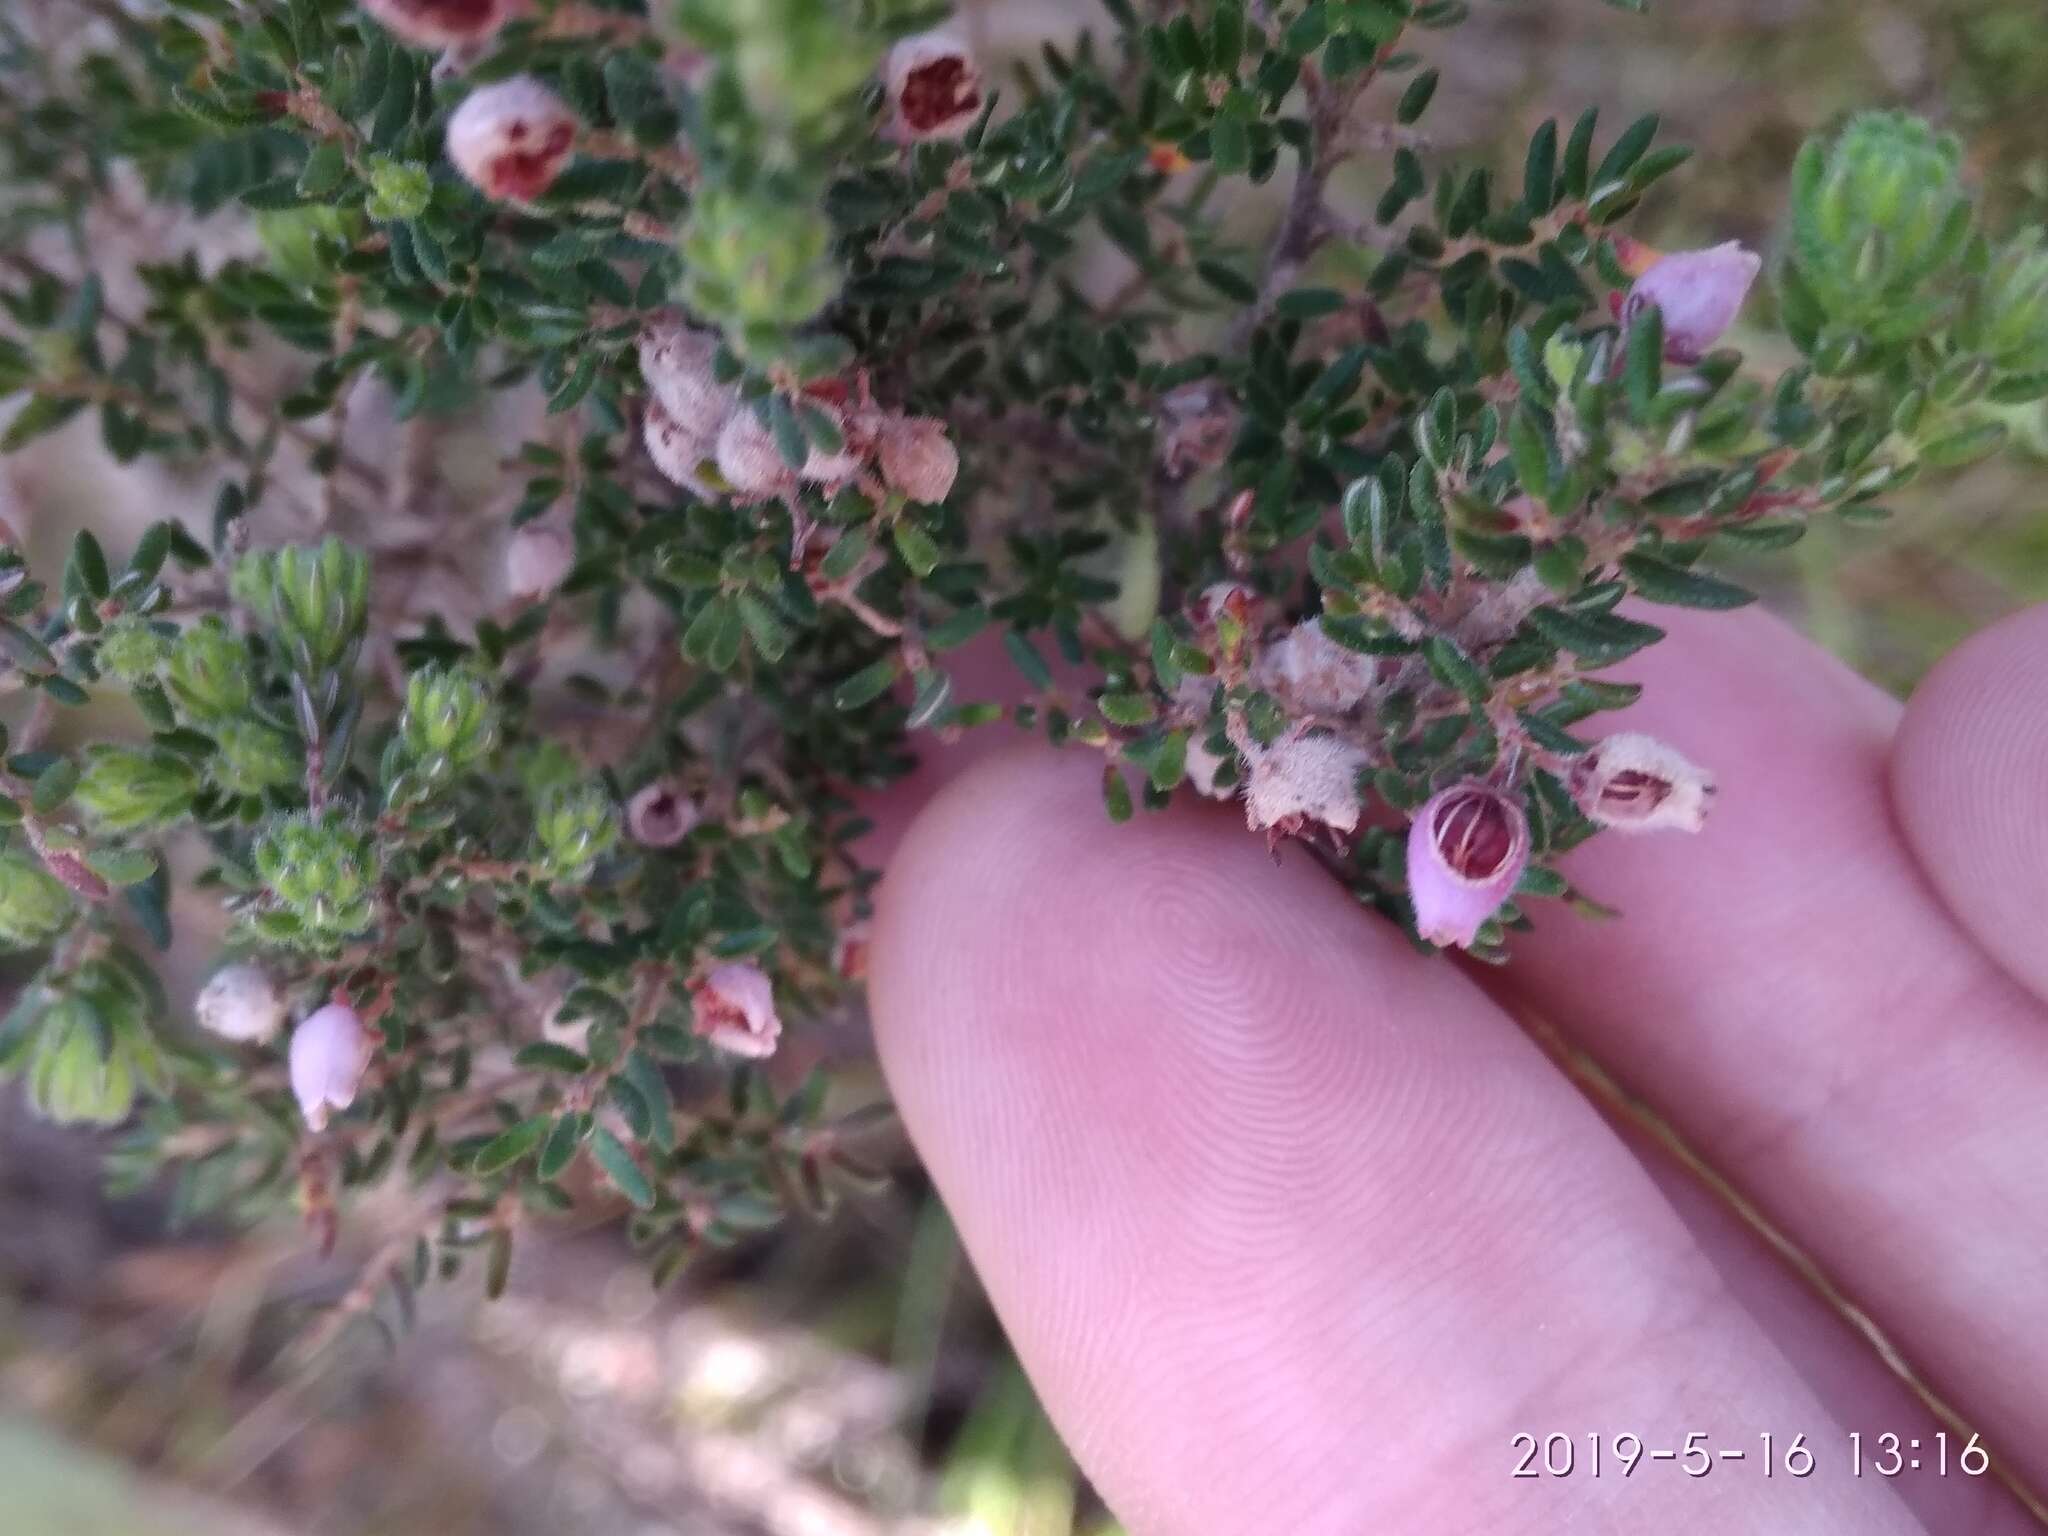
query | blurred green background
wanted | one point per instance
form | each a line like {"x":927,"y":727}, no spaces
{"x":849,"y":1380}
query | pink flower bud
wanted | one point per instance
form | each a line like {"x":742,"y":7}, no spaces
{"x":1309,"y":670}
{"x":240,"y":1002}
{"x":538,"y":558}
{"x":661,"y":815}
{"x":735,"y":1010}
{"x":442,"y":23}
{"x":1700,"y":294}
{"x":679,"y":364}
{"x":1637,"y":784}
{"x":1466,"y":849}
{"x":935,"y":87}
{"x":512,"y":139}
{"x":330,"y":1052}
{"x":677,"y":452}
{"x":918,"y":460}
{"x":748,"y":459}
{"x":1303,"y":780}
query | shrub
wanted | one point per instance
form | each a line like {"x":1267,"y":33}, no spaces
{"x":1340,"y":520}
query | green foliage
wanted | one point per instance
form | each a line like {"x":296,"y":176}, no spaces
{"x":92,"y":1050}
{"x":1878,"y":219}
{"x":126,"y":789}
{"x":34,"y":905}
{"x":323,"y":874}
{"x":576,"y":826}
{"x":450,"y":721}
{"x":825,"y":404}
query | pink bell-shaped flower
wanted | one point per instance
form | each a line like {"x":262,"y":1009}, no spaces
{"x":935,"y":87}
{"x":1466,"y":849}
{"x":735,"y":1009}
{"x":1638,"y":784}
{"x":443,"y":23}
{"x":661,"y":815}
{"x":511,"y":140}
{"x":1699,"y":293}
{"x":330,"y":1052}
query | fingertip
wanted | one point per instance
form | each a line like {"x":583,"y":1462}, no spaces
{"x":1243,"y":1171}
{"x":1969,"y":784}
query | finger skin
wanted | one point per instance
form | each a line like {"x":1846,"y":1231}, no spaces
{"x":1845,"y":1371}
{"x":1969,"y":775}
{"x":1787,"y":989}
{"x":1292,"y":1228}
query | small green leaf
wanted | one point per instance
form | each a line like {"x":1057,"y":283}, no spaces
{"x":866,"y":685}
{"x":1551,"y":736}
{"x":1454,"y":669}
{"x":550,"y":1056}
{"x":1662,"y":582}
{"x":932,"y":693}
{"x":1599,"y":640}
{"x":1539,"y":169}
{"x":505,"y":1149}
{"x":25,"y":650}
{"x":957,"y":629}
{"x":1226,"y":280}
{"x":1415,"y":100}
{"x":1116,"y":794}
{"x":1627,"y":150}
{"x":620,"y":1168}
{"x":53,"y":786}
{"x":770,"y":635}
{"x":87,"y":571}
{"x":559,"y":1150}
{"x":498,"y":1267}
{"x":122,"y":866}
{"x":1130,"y":709}
{"x":917,"y":548}
{"x":846,"y":554}
{"x":1027,"y":659}
{"x":1965,"y":446}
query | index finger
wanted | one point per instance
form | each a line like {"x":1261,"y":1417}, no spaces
{"x":1292,"y":1228}
{"x":1788,"y":991}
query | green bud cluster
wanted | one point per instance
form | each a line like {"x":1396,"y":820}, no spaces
{"x":399,"y":189}
{"x":211,"y":672}
{"x":758,"y":264}
{"x":90,"y":1050}
{"x":132,"y":649}
{"x":317,"y":600}
{"x":35,"y":906}
{"x":323,"y":873}
{"x":2008,"y":320}
{"x":450,"y":721}
{"x":576,"y":826}
{"x":128,"y":789}
{"x":793,"y":60}
{"x":1878,"y":219}
{"x":302,"y":243}
{"x":253,"y":758}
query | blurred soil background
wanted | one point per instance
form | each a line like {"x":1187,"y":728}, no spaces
{"x":844,"y":1379}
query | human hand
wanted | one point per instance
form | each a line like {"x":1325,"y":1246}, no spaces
{"x":1295,"y":1230}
